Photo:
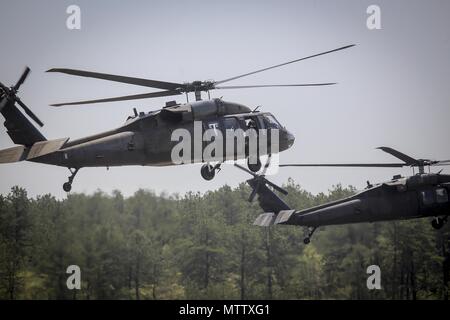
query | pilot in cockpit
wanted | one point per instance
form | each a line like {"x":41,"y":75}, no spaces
{"x":251,"y":124}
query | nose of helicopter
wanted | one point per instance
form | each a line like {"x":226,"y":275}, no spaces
{"x":287,"y":140}
{"x":290,"y":139}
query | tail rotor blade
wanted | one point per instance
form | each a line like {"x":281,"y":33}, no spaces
{"x":5,"y":88}
{"x":22,"y":78}
{"x":245,"y":169}
{"x":279,"y":189}
{"x":29,"y":112}
{"x":252,"y":195}
{"x":254,"y":191}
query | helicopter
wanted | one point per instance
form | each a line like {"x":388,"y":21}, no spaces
{"x":145,"y":138}
{"x":417,"y":196}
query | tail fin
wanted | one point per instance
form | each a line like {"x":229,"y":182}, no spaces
{"x":20,"y":129}
{"x":268,"y":200}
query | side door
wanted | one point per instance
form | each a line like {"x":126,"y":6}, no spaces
{"x":442,"y":200}
{"x":263,"y":136}
{"x":233,"y":145}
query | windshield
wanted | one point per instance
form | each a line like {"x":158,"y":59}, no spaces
{"x":271,"y":122}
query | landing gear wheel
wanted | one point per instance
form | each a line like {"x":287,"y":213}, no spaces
{"x":208,"y":172}
{"x":67,"y":187}
{"x":308,"y":234}
{"x":437,"y":223}
{"x":254,"y":167}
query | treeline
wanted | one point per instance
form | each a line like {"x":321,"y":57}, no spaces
{"x":198,"y":246}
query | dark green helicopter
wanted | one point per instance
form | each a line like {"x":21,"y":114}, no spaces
{"x":145,"y":138}
{"x":417,"y":196}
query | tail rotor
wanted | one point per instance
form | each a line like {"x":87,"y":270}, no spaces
{"x":9,"y":95}
{"x":259,"y":180}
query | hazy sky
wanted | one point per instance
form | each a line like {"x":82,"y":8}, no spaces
{"x":394,"y":87}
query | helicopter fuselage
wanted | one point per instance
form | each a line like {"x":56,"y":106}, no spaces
{"x":146,"y":138}
{"x":425,"y":195}
{"x":422,"y":195}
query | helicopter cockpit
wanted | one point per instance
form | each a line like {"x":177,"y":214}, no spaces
{"x":256,"y":121}
{"x":251,"y":121}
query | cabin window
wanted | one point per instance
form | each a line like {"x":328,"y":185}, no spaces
{"x":427,"y":197}
{"x":441,"y":195}
{"x":230,"y":124}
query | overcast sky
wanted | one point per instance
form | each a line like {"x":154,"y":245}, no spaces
{"x":394,"y":86}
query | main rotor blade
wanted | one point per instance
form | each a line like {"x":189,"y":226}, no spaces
{"x":364,"y":165}
{"x":246,"y":170}
{"x":408,"y":160}
{"x":283,"y":64}
{"x":122,"y":79}
{"x":22,"y":78}
{"x":29,"y":112}
{"x":122,"y":98}
{"x":277,"y":85}
{"x":441,"y":163}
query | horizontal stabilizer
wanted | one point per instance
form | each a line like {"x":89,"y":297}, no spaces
{"x":265,"y":219}
{"x":284,"y":216}
{"x":14,"y":154}
{"x":45,"y":147}
{"x":269,"y":218}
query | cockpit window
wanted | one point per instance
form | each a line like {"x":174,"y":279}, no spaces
{"x":271,"y":122}
{"x":441,"y":195}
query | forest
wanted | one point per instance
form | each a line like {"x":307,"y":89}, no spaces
{"x":204,"y":246}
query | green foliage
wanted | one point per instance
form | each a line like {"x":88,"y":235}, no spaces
{"x":204,"y":246}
